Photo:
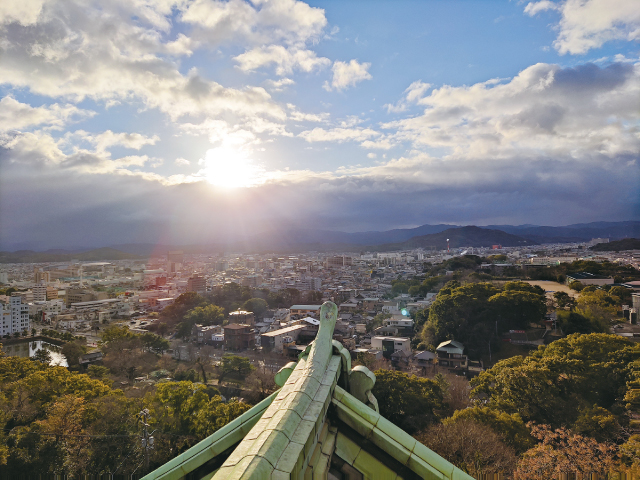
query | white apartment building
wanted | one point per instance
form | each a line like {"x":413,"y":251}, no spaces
{"x":15,"y":316}
{"x":39,"y":292}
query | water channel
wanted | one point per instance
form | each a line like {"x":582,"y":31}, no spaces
{"x":28,"y":348}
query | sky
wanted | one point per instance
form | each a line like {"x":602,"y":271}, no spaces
{"x":196,"y":121}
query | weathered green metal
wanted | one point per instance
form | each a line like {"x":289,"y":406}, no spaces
{"x":295,"y":432}
{"x":391,"y":439}
{"x":281,"y":443}
{"x":213,"y":445}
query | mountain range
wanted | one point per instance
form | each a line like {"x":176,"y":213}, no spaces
{"x":302,"y":240}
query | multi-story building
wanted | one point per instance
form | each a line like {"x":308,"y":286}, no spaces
{"x":52,"y":293}
{"x":238,"y":337}
{"x":197,"y":283}
{"x":14,"y":316}
{"x":40,"y":276}
{"x":39,"y":292}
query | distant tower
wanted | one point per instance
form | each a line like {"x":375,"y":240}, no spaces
{"x":447,"y":245}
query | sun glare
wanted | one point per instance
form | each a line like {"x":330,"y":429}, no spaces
{"x":228,"y":168}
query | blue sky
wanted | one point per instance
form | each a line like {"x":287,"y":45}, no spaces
{"x":187,"y":121}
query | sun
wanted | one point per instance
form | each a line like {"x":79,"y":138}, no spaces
{"x":229,"y":168}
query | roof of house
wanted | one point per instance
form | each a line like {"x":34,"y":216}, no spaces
{"x":305,"y":307}
{"x":450,"y":345}
{"x":284,"y":331}
{"x":324,"y":409}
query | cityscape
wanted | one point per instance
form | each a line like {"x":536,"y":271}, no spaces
{"x":304,"y":239}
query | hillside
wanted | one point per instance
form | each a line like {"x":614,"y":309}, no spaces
{"x":618,"y":245}
{"x":99,"y":254}
{"x":470,"y":236}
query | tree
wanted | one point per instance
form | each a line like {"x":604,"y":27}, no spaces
{"x":563,"y":299}
{"x":235,"y":366}
{"x":576,"y":285}
{"x":561,"y":452}
{"x":574,"y":322}
{"x":510,"y":427}
{"x":471,"y":446}
{"x":72,"y":352}
{"x":205,"y":315}
{"x":517,"y":309}
{"x":553,"y":384}
{"x":42,"y":355}
{"x":406,"y":400}
{"x":256,"y":305}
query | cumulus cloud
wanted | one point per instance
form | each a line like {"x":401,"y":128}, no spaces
{"x":288,"y":21}
{"x":587,"y":24}
{"x":15,"y":115}
{"x":284,"y":59}
{"x":347,"y":75}
{"x":121,"y":54}
{"x":413,"y":93}
{"x":338,"y":134}
{"x":545,"y":109}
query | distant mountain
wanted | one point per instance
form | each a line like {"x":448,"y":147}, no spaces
{"x":618,"y":245}
{"x":470,"y":236}
{"x":96,"y":255}
{"x":296,"y":240}
{"x":578,"y":232}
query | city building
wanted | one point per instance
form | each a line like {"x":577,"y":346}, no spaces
{"x":390,"y":345}
{"x":587,"y":278}
{"x":275,"y":340}
{"x":305,"y":309}
{"x":197,"y":284}
{"x":14,"y":316}
{"x":238,"y":337}
{"x":242,"y":316}
{"x":451,"y":354}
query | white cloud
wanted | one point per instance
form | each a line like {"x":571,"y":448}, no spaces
{"x":119,"y":47}
{"x":534,"y":8}
{"x":587,"y":24}
{"x":544,"y":110}
{"x":347,"y":74}
{"x":372,"y":155}
{"x":182,"y":161}
{"x":103,"y":141}
{"x":15,"y":115}
{"x":285,"y":59}
{"x":298,"y":116}
{"x":413,"y":93}
{"x":338,"y":134}
{"x":280,"y":84}
{"x":288,"y":21}
{"x":25,"y":12}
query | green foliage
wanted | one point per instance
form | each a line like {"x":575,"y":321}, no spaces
{"x":406,"y":400}
{"x":256,"y":305}
{"x":176,"y":312}
{"x":574,"y":322}
{"x":187,"y":375}
{"x":55,"y":334}
{"x":155,"y":343}
{"x":472,"y":313}
{"x":42,"y":355}
{"x":205,"y":315}
{"x":72,"y":352}
{"x":555,"y":384}
{"x":510,"y":427}
{"x":65,"y":423}
{"x":563,"y":299}
{"x":234,"y":366}
{"x":576,"y":285}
